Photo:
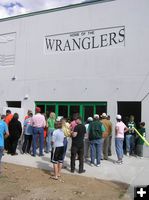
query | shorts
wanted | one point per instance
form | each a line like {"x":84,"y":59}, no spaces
{"x":1,"y":153}
{"x":57,"y":155}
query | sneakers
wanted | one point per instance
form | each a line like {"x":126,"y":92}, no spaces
{"x":127,"y":154}
{"x":119,"y":162}
{"x":41,"y":155}
{"x":33,"y":155}
{"x":105,"y":158}
{"x":92,"y":165}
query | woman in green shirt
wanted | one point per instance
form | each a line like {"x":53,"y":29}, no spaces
{"x":50,"y":124}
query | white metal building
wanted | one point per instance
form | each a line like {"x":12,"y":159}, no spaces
{"x":85,"y":58}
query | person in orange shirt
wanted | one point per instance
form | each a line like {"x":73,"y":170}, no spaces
{"x":8,"y":118}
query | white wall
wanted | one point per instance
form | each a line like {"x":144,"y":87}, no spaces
{"x":109,"y":74}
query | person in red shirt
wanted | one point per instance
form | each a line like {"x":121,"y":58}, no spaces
{"x":28,"y":114}
{"x":9,"y":116}
{"x":8,"y":119}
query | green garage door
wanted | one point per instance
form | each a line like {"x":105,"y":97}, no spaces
{"x":68,"y":109}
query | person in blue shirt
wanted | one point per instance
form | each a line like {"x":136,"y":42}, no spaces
{"x":3,"y":133}
{"x":28,"y":131}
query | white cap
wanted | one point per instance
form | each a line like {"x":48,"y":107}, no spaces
{"x":104,"y":115}
{"x":59,"y":118}
{"x":89,"y":119}
{"x":118,"y":117}
{"x":96,"y":116}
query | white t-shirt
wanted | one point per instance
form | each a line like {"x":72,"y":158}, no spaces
{"x":58,"y":138}
{"x":120,"y":127}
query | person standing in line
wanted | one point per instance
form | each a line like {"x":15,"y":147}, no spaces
{"x":3,"y":134}
{"x":15,"y":131}
{"x":120,"y":129}
{"x":126,"y":120}
{"x":77,"y":147}
{"x":73,"y":124}
{"x":38,"y":123}
{"x":140,"y":142}
{"x":8,"y":118}
{"x":28,"y":114}
{"x":45,"y":131}
{"x":108,"y":126}
{"x":21,"y":141}
{"x":130,"y":137}
{"x":86,"y":140}
{"x":28,"y":131}
{"x":96,"y":131}
{"x":51,"y":128}
{"x":110,"y":139}
{"x":67,"y":134}
{"x":57,"y":149}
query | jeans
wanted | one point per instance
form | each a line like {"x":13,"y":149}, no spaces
{"x":27,"y":143}
{"x":36,"y":132}
{"x":86,"y":148}
{"x":48,"y":140}
{"x":65,"y":147}
{"x":1,"y":153}
{"x":80,"y":151}
{"x":119,"y":147}
{"x":130,"y":144}
{"x":95,"y":150}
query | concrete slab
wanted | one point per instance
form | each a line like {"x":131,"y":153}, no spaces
{"x":134,"y":171}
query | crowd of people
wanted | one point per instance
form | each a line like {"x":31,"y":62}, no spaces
{"x":90,"y":141}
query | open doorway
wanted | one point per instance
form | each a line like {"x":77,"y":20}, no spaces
{"x":127,"y":108}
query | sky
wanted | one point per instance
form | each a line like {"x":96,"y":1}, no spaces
{"x":16,"y":7}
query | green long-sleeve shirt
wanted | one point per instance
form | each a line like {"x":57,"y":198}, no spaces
{"x":51,"y":123}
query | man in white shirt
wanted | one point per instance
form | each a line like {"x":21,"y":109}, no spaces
{"x":86,"y":140}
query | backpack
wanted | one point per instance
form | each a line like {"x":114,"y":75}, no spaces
{"x":95,"y":131}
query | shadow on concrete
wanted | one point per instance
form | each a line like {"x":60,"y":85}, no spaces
{"x":44,"y":167}
{"x":111,"y":160}
{"x":47,"y":159}
{"x":87,"y":161}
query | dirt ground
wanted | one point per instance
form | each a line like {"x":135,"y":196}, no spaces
{"x":25,"y":183}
